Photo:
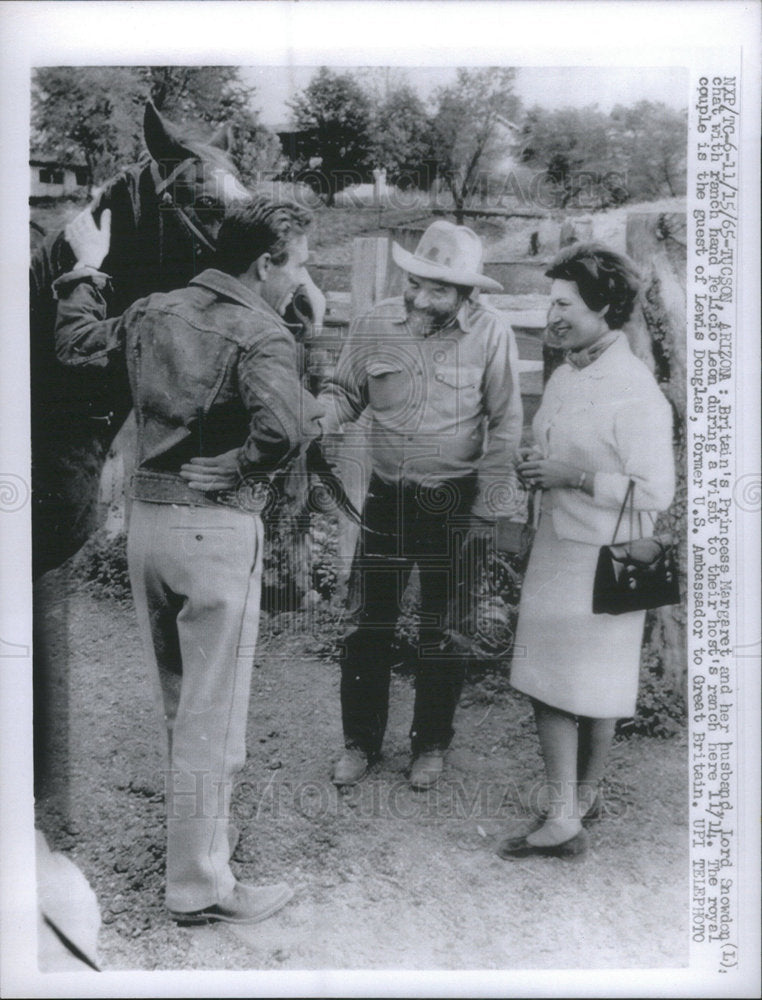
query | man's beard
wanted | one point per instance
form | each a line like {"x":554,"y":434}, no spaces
{"x":425,"y":321}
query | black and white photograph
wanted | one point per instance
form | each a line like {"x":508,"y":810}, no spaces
{"x":380,"y":492}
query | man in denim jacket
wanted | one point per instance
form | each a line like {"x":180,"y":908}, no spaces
{"x":212,"y":370}
{"x":438,"y":374}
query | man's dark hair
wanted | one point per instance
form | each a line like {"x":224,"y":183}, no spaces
{"x":603,"y":278}
{"x":251,"y":228}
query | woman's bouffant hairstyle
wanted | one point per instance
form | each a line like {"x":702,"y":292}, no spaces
{"x":251,"y":228}
{"x":603,"y":277}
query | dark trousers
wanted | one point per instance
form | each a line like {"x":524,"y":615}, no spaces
{"x":404,"y":526}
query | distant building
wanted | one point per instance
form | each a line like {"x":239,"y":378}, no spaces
{"x":53,"y":179}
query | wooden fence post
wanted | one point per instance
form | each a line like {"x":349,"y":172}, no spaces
{"x":370,"y":267}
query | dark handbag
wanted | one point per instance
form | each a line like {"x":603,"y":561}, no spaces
{"x":637,"y":574}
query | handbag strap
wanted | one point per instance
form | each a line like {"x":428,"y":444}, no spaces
{"x":629,"y":495}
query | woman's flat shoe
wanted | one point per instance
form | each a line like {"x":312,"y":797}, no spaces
{"x":591,"y":815}
{"x":514,"y":848}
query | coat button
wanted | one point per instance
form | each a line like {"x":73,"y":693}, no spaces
{"x":199,"y":538}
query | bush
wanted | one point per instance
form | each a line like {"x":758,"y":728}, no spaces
{"x":295,"y":566}
{"x":660,"y":709}
{"x":101,"y":564}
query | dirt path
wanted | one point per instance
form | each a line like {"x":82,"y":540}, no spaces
{"x":384,"y":877}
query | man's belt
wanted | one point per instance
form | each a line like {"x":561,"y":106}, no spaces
{"x":165,"y":487}
{"x":160,"y":487}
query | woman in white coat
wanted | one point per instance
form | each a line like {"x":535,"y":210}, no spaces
{"x":603,"y":421}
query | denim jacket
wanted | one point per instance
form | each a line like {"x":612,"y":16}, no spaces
{"x":211,"y":367}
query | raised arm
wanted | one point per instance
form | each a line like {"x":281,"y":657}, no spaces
{"x":83,"y":335}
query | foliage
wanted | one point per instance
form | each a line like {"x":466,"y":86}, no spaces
{"x":471,"y":128}
{"x":652,"y":143}
{"x":593,"y":160}
{"x":660,"y":709}
{"x":87,"y":113}
{"x":402,"y":139}
{"x":95,"y":114}
{"x":101,"y":564}
{"x":331,"y":116}
{"x":574,"y":148}
{"x":300,"y":560}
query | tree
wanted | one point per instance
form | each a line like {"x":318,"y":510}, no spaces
{"x":331,"y":118}
{"x":471,"y":128}
{"x":87,"y":113}
{"x":576,"y":150}
{"x":652,"y":141}
{"x":96,"y":113}
{"x":401,"y":139}
{"x":591,"y":159}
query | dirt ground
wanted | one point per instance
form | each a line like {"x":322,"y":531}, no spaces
{"x":384,"y":877}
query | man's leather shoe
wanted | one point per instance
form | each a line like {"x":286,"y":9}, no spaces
{"x":515,"y":848}
{"x":246,"y":904}
{"x":427,"y":769}
{"x":351,"y":767}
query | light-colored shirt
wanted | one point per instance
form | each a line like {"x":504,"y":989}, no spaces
{"x":610,"y":418}
{"x":441,"y":406}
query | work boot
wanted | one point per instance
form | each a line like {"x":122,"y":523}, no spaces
{"x":427,"y":769}
{"x":351,"y":767}
{"x":246,"y":904}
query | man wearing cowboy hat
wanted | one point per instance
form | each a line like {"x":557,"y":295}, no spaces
{"x":437,"y":372}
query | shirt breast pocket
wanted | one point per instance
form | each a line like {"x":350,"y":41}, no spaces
{"x":456,"y":390}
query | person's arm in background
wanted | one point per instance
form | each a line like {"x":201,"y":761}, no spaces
{"x":345,"y":395}
{"x":500,"y":495}
{"x":83,"y":336}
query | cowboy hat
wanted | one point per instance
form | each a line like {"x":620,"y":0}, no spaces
{"x":448,"y":253}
